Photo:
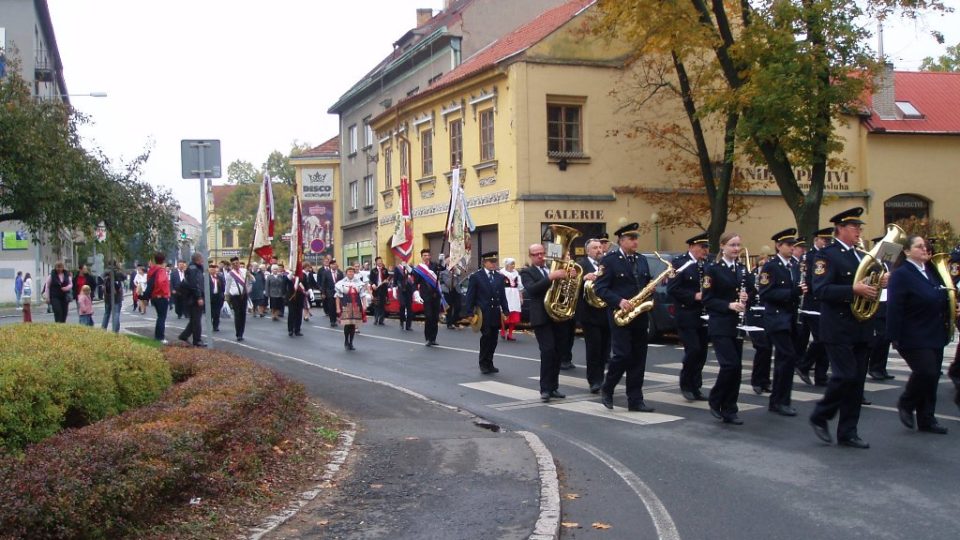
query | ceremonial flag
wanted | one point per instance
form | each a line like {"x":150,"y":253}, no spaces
{"x":459,"y":225}
{"x":402,"y":243}
{"x":263,"y":227}
{"x":296,"y":240}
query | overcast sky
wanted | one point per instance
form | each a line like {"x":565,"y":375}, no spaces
{"x":256,"y":75}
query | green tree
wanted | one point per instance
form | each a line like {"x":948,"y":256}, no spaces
{"x":946,"y":62}
{"x":792,"y":70}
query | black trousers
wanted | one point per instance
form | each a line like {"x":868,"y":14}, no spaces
{"x":488,"y":345}
{"x":295,"y":317}
{"x":239,"y":305}
{"x":194,"y":328}
{"x":879,"y":347}
{"x":694,"y":341}
{"x":162,"y":305}
{"x":216,"y":307}
{"x":726,"y":390}
{"x":329,"y":307}
{"x":784,"y":361}
{"x":379,"y":309}
{"x":406,"y":309}
{"x":431,"y":315}
{"x":920,"y":393}
{"x":549,"y":358}
{"x":454,"y":300}
{"x":845,"y":388}
{"x":629,"y":348}
{"x":815,"y":357}
{"x":801,"y":335}
{"x":596,"y":340}
{"x":566,"y":334}
{"x":60,"y":308}
{"x":177,"y":304}
{"x":763,"y":353}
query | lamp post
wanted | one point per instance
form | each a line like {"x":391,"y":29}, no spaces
{"x":655,"y":219}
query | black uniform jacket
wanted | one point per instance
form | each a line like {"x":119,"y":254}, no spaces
{"x":402,"y":282}
{"x":192,"y":286}
{"x":489,"y":297}
{"x":721,"y":286}
{"x":221,"y":284}
{"x":779,"y":294}
{"x":683,"y":289}
{"x":622,"y":281}
{"x":810,"y":302}
{"x":586,"y":313}
{"x":535,"y":286}
{"x":916,"y":308}
{"x":833,"y":271}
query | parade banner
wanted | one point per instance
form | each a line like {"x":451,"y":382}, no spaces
{"x":295,"y":264}
{"x":263,"y":227}
{"x":318,"y":227}
{"x":402,"y":243}
{"x":459,"y":225}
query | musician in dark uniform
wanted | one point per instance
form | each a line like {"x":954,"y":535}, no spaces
{"x":780,"y":294}
{"x":801,"y":332}
{"x":879,"y":345}
{"x":815,"y":357}
{"x":427,"y":281}
{"x":485,"y":290}
{"x":537,"y":278}
{"x":846,"y":339}
{"x":726,"y":288}
{"x":917,"y":323}
{"x":593,"y":320}
{"x":762,"y":348}
{"x":684,"y":289}
{"x":625,"y":274}
{"x":403,"y":281}
{"x":954,"y":371}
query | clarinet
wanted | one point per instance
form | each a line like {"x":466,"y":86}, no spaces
{"x":740,"y":290}
{"x":703,"y":307}
{"x":803,"y":280}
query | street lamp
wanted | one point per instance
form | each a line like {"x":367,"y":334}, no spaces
{"x":655,"y":219}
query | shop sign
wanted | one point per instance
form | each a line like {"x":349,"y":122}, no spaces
{"x":317,"y":184}
{"x":573,"y":214}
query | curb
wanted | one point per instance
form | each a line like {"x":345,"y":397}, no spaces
{"x":548,"y":524}
{"x":326,"y":481}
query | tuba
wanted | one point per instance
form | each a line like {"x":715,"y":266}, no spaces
{"x":941,"y":261}
{"x":561,"y":299}
{"x":641,"y":303}
{"x":871,"y":271}
{"x":590,"y":295}
{"x":476,"y":320}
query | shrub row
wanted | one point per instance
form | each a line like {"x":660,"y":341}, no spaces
{"x":54,"y":376}
{"x":206,"y":436}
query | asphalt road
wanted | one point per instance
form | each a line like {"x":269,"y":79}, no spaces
{"x":676,"y":473}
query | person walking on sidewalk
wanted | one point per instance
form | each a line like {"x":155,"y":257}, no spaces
{"x":85,"y":306}
{"x":58,"y":287}
{"x":27,"y":297}
{"x":351,"y":308}
{"x":18,"y":289}
{"x":217,"y":284}
{"x":192,"y":290}
{"x":113,"y":297}
{"x":158,"y":293}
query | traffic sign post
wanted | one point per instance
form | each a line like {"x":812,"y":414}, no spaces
{"x":200,"y":158}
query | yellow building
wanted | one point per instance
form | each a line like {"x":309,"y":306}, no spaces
{"x":317,"y":174}
{"x":222,"y":241}
{"x":529,"y":122}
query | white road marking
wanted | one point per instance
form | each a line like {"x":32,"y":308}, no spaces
{"x":593,"y":408}
{"x":894,"y":409}
{"x":503,"y":389}
{"x":676,"y":399}
{"x":795,"y":395}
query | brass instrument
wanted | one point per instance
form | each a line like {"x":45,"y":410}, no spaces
{"x":590,"y":295}
{"x":745,"y":255}
{"x":561,"y":298}
{"x":641,"y":303}
{"x":941,"y":261}
{"x":476,"y":321}
{"x":871,"y":271}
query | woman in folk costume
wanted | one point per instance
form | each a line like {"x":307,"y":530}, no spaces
{"x":512,"y":288}
{"x":351,"y":306}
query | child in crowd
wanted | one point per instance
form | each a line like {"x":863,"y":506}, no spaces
{"x":85,"y":306}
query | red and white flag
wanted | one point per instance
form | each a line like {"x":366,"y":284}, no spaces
{"x":296,"y":240}
{"x":263,"y":227}
{"x":402,"y":243}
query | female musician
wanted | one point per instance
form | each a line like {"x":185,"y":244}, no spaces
{"x":512,"y":289}
{"x":726,"y":284}
{"x":916,"y":325}
{"x":351,"y":306}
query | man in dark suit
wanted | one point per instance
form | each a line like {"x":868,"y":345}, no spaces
{"x":625,"y":273}
{"x":217,"y":284}
{"x":295,"y":293}
{"x":403,"y":281}
{"x":485,"y":290}
{"x":427,"y":282}
{"x":846,"y":339}
{"x":685,"y":289}
{"x":780,"y":292}
{"x":328,"y":278}
{"x":815,"y":356}
{"x":536,"y":280}
{"x":593,"y":320}
{"x":192,"y":291}
{"x":380,"y":282}
{"x":177,"y":275}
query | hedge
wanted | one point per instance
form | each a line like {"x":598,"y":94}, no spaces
{"x":54,"y":376}
{"x":206,"y":436}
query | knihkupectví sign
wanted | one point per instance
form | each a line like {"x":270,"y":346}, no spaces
{"x":191,"y":152}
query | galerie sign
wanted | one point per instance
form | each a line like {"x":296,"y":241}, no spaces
{"x":318,"y":184}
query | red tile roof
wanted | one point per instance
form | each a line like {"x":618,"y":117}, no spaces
{"x":188,"y":219}
{"x":330,"y":148}
{"x":935,"y":94}
{"x":220,"y":193}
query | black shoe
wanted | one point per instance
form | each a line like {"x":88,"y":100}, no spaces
{"x":640,"y":407}
{"x":757,"y":390}
{"x":290,"y":334}
{"x":783,"y":410}
{"x":239,"y":338}
{"x":876,"y":375}
{"x":699,"y":397}
{"x":557,"y":394}
{"x":715,"y":413}
{"x":906,"y":417}
{"x":733,"y":419}
{"x":409,"y":329}
{"x":865,"y":401}
{"x":545,"y":397}
{"x":821,"y":431}
{"x":606,"y":399}
{"x":493,"y":369}
{"x":887,"y":376}
{"x":567,"y":365}
{"x":298,"y":334}
{"x":854,"y":442}
{"x":804,"y":376}
{"x":594,"y":388}
{"x":432,"y":343}
{"x":766,"y":389}
{"x":200,"y":344}
{"x":216,"y":329}
{"x":933,"y":428}
{"x":350,"y":347}
{"x":485,"y":370}
{"x":688,"y":395}
{"x":821,"y":384}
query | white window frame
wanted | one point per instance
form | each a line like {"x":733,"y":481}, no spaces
{"x":354,"y":195}
{"x":369,"y":191}
{"x":352,"y":139}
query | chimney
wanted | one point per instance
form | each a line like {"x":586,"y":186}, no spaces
{"x":883,"y":95}
{"x":423,"y":15}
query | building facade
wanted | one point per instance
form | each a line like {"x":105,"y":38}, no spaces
{"x":419,"y":58}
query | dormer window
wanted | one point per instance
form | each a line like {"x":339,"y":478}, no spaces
{"x":907,"y":111}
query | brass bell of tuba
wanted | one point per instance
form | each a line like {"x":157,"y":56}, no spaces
{"x":871,"y":271}
{"x":561,"y":299}
{"x":941,"y":261}
{"x":590,"y":295}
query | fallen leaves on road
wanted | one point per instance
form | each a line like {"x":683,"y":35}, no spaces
{"x":602,"y":526}
{"x":376,"y":486}
{"x":569,"y":524}
{"x":571,"y":496}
